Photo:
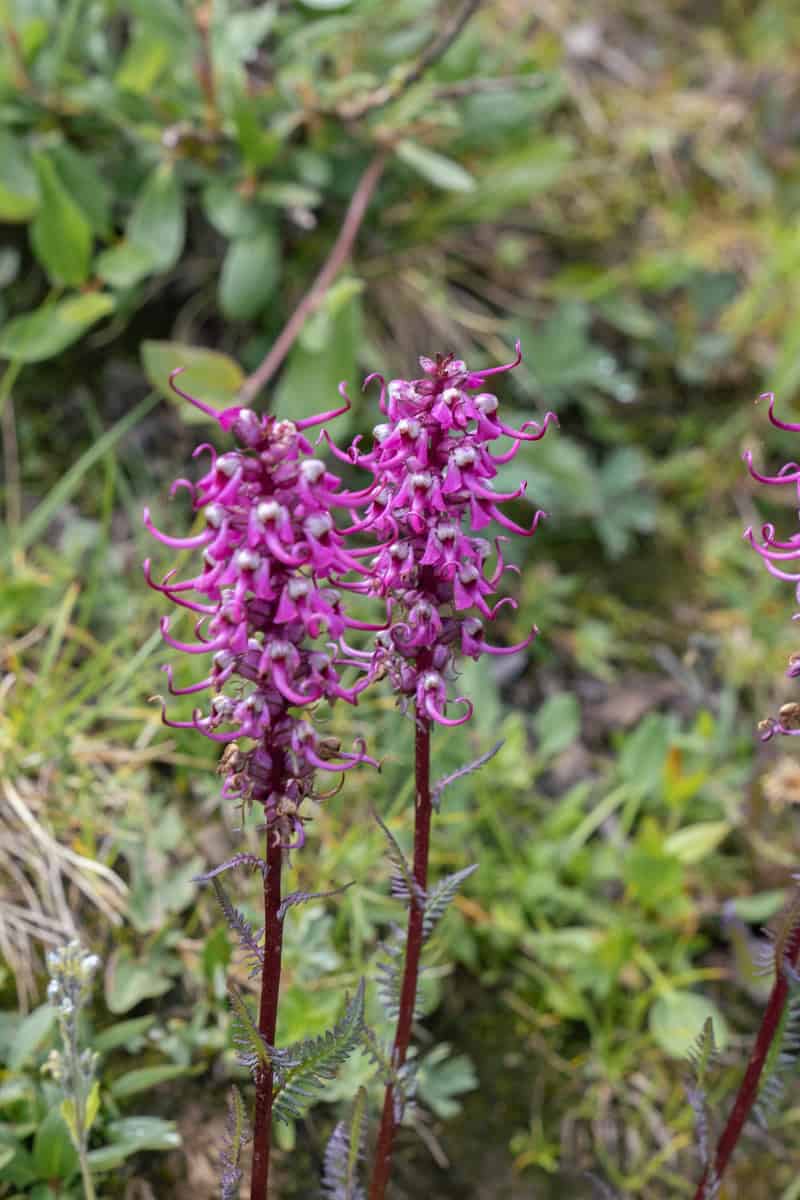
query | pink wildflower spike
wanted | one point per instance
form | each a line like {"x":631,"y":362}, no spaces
{"x":268,"y":588}
{"x":433,"y":469}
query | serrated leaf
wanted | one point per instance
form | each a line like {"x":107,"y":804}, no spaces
{"x":60,"y":234}
{"x":677,"y":1018}
{"x":213,"y":377}
{"x":39,"y":335}
{"x":19,"y":190}
{"x":157,"y":224}
{"x":441,"y":896}
{"x":316,"y":1060}
{"x":251,"y":270}
{"x":253,"y":1051}
{"x":442,"y":172}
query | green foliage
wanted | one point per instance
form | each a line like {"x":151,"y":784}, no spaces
{"x":312,"y":1062}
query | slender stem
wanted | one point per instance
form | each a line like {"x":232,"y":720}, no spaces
{"x":339,"y":253}
{"x":268,"y":1015}
{"x":354,"y":109}
{"x":408,"y":993}
{"x":748,"y":1089}
{"x":86,"y":1174}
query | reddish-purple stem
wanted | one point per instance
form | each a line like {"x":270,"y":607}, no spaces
{"x":408,"y":994}
{"x":268,"y":1015}
{"x":748,"y":1089}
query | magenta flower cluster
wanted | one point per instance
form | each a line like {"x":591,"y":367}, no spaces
{"x":432,"y":493}
{"x":272,"y":560}
{"x":778,"y":557}
{"x":269,"y":597}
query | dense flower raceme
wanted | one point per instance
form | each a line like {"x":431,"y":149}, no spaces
{"x":432,"y":493}
{"x":778,"y":557}
{"x":267,"y":595}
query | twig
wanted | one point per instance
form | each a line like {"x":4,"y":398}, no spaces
{"x":339,"y":252}
{"x":353,"y":110}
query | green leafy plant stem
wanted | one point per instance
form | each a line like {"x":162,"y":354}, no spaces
{"x":268,"y":1015}
{"x":786,"y":958}
{"x":415,"y":938}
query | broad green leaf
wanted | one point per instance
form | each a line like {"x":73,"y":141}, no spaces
{"x":19,"y":191}
{"x":143,"y":63}
{"x":122,"y":1033}
{"x":145,"y":1078}
{"x":230,"y":212}
{"x":129,"y":980}
{"x":149,"y":1133}
{"x":677,"y":1018}
{"x":250,"y":273}
{"x":157,"y":224}
{"x":286,"y":194}
{"x":124,"y":265}
{"x":239,"y":35}
{"x":210,"y":375}
{"x":30,"y":1035}
{"x":44,"y":333}
{"x":442,"y":172}
{"x":760,"y":906}
{"x":557,"y":724}
{"x":54,"y":1155}
{"x":60,"y":234}
{"x":86,"y":186}
{"x":695,"y":842}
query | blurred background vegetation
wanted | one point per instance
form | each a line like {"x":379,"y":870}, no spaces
{"x":617,"y":185}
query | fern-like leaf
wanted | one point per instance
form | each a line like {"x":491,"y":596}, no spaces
{"x":701,"y":1055}
{"x":303,"y":897}
{"x":248,"y":938}
{"x":475,"y":765}
{"x":404,"y":885}
{"x":344,"y":1153}
{"x":781,"y":1059}
{"x":441,"y":896}
{"x":254,"y":1051}
{"x":316,"y":1060}
{"x":238,"y":860}
{"x":237,"y":1135}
